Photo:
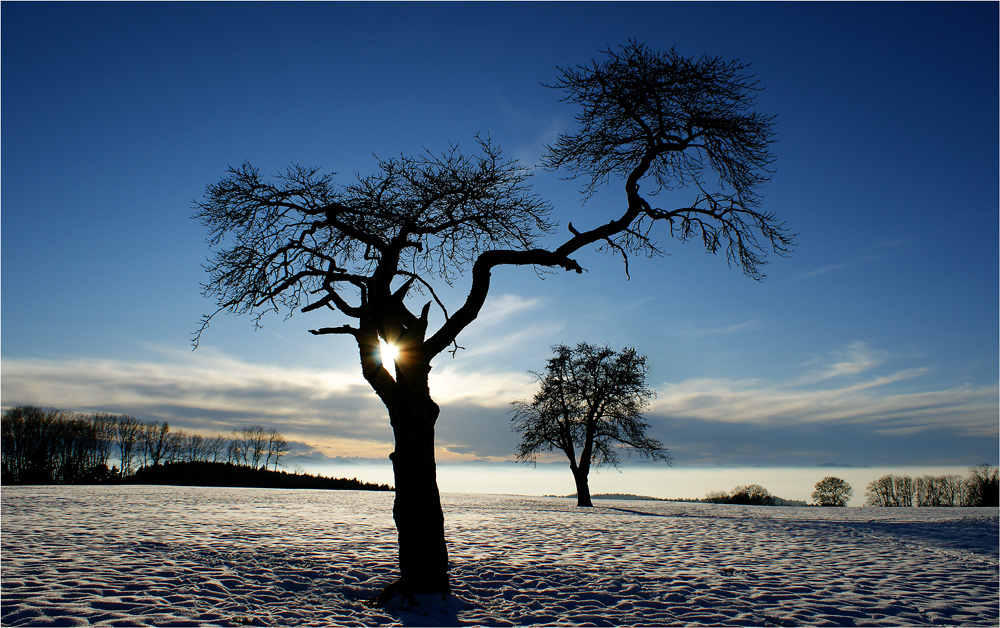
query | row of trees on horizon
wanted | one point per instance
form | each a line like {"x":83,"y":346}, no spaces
{"x":48,"y":446}
{"x":981,"y":487}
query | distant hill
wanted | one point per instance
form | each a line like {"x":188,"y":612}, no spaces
{"x":776,"y":501}
{"x":224,"y":474}
{"x":624,"y":496}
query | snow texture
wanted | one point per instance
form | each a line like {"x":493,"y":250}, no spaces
{"x":152,"y":555}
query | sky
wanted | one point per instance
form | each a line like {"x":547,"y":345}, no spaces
{"x":875,"y":344}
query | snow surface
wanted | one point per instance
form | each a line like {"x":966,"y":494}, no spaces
{"x":154,"y":555}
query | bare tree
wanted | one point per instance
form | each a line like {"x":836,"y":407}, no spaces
{"x":365,"y":250}
{"x":104,"y":437}
{"x":257,"y":444}
{"x":905,"y":490}
{"x":716,"y":497}
{"x":831,"y":491}
{"x":590,"y":401}
{"x":277,"y":447}
{"x":127,"y":439}
{"x":176,"y":446}
{"x":239,"y":447}
{"x":154,"y":441}
{"x":880,"y":492}
{"x":953,"y":486}
{"x":195,"y":448}
{"x":983,"y":485}
{"x":891,"y":490}
{"x":215,"y":446}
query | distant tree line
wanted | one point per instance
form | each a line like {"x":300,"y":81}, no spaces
{"x":202,"y":473}
{"x":749,"y":495}
{"x":981,"y":487}
{"x":46,"y":446}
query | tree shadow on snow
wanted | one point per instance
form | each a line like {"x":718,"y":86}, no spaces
{"x":636,"y":512}
{"x":427,"y":610}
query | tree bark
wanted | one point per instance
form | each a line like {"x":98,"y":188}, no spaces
{"x":582,"y":488}
{"x":423,"y":553}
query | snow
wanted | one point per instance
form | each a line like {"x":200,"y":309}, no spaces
{"x":153,"y":555}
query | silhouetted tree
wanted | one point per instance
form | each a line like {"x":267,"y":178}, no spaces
{"x":952,"y":487}
{"x":176,"y":446}
{"x":194,"y":448}
{"x":716,"y":497}
{"x":277,"y":447}
{"x":28,"y":434}
{"x":104,"y":437}
{"x":367,"y":249}
{"x":891,"y":490}
{"x":983,"y":486}
{"x":127,"y":439}
{"x":42,"y":446}
{"x":905,"y":490}
{"x":154,"y":441}
{"x":933,"y":491}
{"x":239,"y":447}
{"x":831,"y":491}
{"x":590,"y":401}
{"x":257,"y":445}
{"x":216,"y":445}
{"x":751,"y":495}
{"x":880,"y":492}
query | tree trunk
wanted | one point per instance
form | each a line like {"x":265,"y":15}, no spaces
{"x":582,"y":489}
{"x":423,"y":554}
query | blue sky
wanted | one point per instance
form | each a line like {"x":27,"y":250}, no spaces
{"x":875,"y":343}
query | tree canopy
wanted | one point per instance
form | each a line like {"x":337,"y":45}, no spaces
{"x":588,"y":406}
{"x":831,"y":491}
{"x":377,"y":249}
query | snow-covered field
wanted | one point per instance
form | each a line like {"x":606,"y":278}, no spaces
{"x":150,"y":555}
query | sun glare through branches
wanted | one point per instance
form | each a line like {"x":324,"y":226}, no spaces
{"x":388,"y":351}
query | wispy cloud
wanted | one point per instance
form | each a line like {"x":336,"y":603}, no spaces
{"x":735,"y":328}
{"x":509,"y":321}
{"x":839,"y":390}
{"x":207,"y":391}
{"x":857,"y":357}
{"x":334,"y":412}
{"x":879,"y":251}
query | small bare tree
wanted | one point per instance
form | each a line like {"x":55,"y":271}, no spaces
{"x":365,"y":250}
{"x":154,"y":441}
{"x":257,"y":445}
{"x":277,"y":447}
{"x":216,"y":446}
{"x":127,"y":433}
{"x":590,"y":401}
{"x":239,"y":447}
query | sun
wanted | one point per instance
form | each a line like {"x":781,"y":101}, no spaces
{"x":389,"y":351}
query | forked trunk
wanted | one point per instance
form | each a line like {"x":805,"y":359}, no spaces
{"x":582,"y":489}
{"x":423,"y":554}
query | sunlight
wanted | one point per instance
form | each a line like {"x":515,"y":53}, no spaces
{"x":389,"y":352}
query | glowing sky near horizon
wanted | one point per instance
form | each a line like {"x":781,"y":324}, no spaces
{"x":875,"y":343}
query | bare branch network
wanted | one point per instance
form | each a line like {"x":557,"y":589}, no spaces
{"x":299,"y":241}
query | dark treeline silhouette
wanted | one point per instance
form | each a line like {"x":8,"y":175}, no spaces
{"x":980,"y":488}
{"x":47,"y":446}
{"x":202,"y":473}
{"x":749,"y":495}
